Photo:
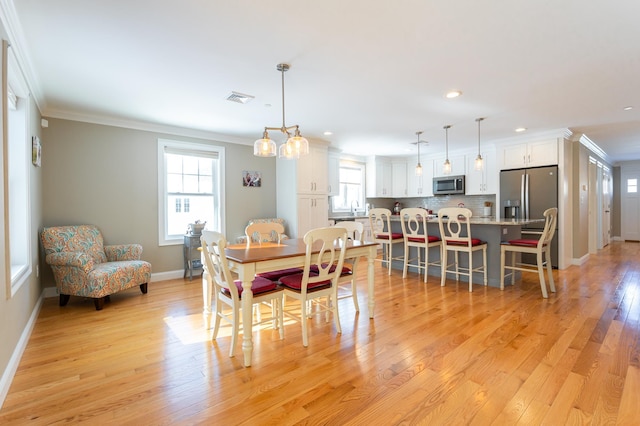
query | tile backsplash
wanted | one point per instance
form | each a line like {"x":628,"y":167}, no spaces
{"x":475,"y":203}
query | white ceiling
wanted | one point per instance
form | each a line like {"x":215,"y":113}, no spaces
{"x":371,"y":71}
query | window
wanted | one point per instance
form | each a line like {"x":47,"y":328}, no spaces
{"x":632,"y":186}
{"x":352,"y":176}
{"x":17,"y":175}
{"x":190,"y":188}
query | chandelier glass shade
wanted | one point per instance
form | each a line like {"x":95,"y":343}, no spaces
{"x":479,"y":160}
{"x":446,"y":167}
{"x":293,"y":147}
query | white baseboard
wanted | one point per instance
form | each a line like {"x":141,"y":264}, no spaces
{"x":14,"y":361}
{"x":580,"y":260}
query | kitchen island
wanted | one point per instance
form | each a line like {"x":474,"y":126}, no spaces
{"x":488,"y":229}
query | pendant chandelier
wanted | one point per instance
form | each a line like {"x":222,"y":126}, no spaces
{"x":446,"y":167}
{"x":295,"y":145}
{"x":479,"y":161}
{"x":418,"y":166}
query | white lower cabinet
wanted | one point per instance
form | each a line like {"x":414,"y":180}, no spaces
{"x":312,"y":213}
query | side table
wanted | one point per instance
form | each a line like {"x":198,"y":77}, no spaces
{"x":192,"y":259}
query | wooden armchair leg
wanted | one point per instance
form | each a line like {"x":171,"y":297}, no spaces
{"x":99,"y":303}
{"x":64,"y":299}
{"x":143,"y":288}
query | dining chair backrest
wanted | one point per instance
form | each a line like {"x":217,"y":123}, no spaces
{"x":551,"y":219}
{"x":380,"y":221}
{"x":455,"y":226}
{"x":414,"y":223}
{"x":213,"y":245}
{"x":263,"y":232}
{"x":355,"y":230}
{"x":325,"y":250}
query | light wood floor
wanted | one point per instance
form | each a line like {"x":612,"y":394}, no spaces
{"x":432,"y":355}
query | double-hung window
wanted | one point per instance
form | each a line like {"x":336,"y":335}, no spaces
{"x":190,"y":188}
{"x":352,"y":178}
{"x":17,"y":174}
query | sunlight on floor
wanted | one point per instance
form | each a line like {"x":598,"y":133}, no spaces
{"x":189,"y":329}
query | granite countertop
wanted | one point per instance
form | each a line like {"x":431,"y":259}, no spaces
{"x":475,"y":220}
{"x":482,"y":220}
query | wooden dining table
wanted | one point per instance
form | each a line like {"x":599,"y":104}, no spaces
{"x":265,"y":257}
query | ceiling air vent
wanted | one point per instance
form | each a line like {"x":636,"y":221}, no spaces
{"x":240,"y":98}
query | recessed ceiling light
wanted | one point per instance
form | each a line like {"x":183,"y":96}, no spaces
{"x":628,"y":108}
{"x":520,"y":129}
{"x":453,"y":94}
{"x":328,"y":133}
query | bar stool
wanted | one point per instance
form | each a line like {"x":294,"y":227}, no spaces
{"x":455,"y":231}
{"x":380,"y":220}
{"x":538,"y":247}
{"x":414,"y":229}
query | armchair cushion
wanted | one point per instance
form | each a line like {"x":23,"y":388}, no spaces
{"x":243,"y":239}
{"x":83,"y":266}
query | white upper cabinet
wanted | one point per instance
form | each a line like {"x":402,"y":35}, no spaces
{"x":458,"y":165}
{"x":420,"y":186}
{"x":484,"y":181}
{"x":399,"y":178}
{"x":334,"y":173}
{"x":312,"y":171}
{"x":529,"y":154}
{"x":378,"y":177}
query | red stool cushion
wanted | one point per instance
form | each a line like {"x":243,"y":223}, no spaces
{"x":432,"y":239}
{"x":474,"y":242}
{"x":524,"y":242}
{"x":394,"y":236}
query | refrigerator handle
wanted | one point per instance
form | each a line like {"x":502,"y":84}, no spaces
{"x":523,"y":201}
{"x":526,"y":194}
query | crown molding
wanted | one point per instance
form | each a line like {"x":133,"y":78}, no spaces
{"x":15,"y":37}
{"x":148,"y":127}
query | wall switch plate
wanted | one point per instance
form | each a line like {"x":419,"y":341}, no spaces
{"x":504,"y":231}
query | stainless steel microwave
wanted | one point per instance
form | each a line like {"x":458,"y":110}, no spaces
{"x":446,"y":185}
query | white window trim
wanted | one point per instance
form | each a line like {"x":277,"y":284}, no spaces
{"x":18,"y":274}
{"x":163,"y":240}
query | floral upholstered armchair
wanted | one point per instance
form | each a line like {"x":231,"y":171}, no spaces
{"x":83,"y":266}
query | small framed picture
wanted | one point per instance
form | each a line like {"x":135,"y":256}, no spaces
{"x":251,"y":178}
{"x":36,"y":151}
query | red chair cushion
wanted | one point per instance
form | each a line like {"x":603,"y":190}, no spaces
{"x":474,"y":242}
{"x":432,"y":239}
{"x":276,"y":275}
{"x":394,"y":236}
{"x":258,"y":286}
{"x":315,"y":270}
{"x":524,"y":242}
{"x":295,"y":282}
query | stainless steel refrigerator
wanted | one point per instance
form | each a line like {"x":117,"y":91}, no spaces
{"x":526,"y":194}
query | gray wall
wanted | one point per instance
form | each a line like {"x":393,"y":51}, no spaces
{"x":107,"y":176}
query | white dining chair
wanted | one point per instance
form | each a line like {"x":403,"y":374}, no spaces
{"x":355,"y":232}
{"x":324,"y":255}
{"x":229,"y":291}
